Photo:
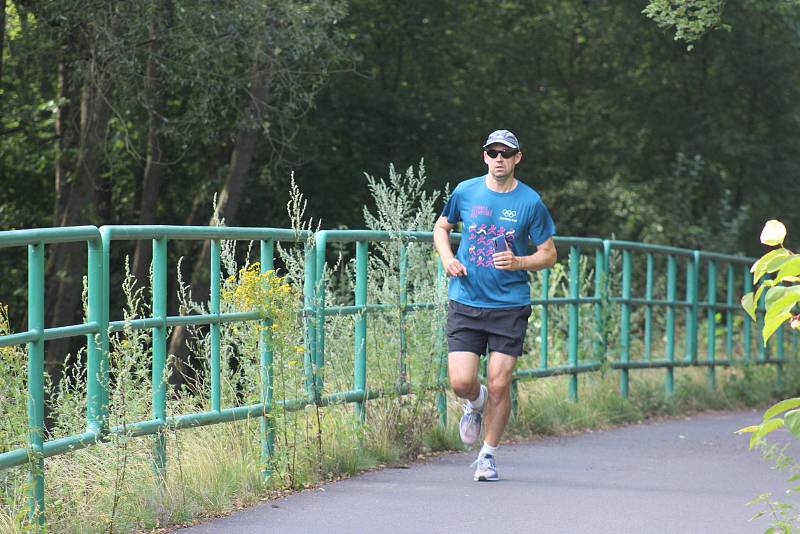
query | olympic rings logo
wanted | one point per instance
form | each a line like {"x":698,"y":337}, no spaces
{"x":509,"y":213}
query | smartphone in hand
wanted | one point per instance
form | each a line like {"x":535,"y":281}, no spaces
{"x":499,"y":243}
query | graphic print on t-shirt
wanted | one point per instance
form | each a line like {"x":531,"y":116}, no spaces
{"x":480,"y":236}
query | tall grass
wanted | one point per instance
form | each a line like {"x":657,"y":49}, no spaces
{"x":544,"y":407}
{"x":212,"y":470}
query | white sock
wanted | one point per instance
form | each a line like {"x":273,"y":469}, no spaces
{"x":488,"y":449}
{"x":478,"y":403}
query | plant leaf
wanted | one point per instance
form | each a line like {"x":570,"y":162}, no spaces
{"x":774,"y":294}
{"x":749,"y":305}
{"x":792,"y":420}
{"x":766,"y":427}
{"x":776,"y":263}
{"x":772,"y":322}
{"x":759,"y":268}
{"x":782,"y":406}
{"x":786,"y":300}
{"x":790,"y":268}
{"x":763,"y":287}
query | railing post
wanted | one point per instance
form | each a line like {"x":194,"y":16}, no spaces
{"x":36,"y":382}
{"x":105,"y":325}
{"x":672,"y":293}
{"x":441,"y":397}
{"x":543,"y":334}
{"x":401,"y":364}
{"x":97,"y":344}
{"x":599,"y":307}
{"x":747,"y":334}
{"x":310,"y":321}
{"x":360,"y":360}
{"x":320,"y":286}
{"x":574,"y":317}
{"x":158,"y":383}
{"x":625,"y":333}
{"x":692,"y":271}
{"x":216,"y":378}
{"x":711,"y":318}
{"x":265,"y":365}
{"x":605,"y":302}
{"x":648,"y":310}
{"x":729,"y":314}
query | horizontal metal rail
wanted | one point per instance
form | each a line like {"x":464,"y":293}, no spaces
{"x":48,"y":236}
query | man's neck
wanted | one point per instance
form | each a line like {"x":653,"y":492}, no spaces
{"x":503,"y":185}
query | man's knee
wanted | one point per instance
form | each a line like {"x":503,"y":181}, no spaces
{"x":462,"y":369}
{"x":499,"y":386}
{"x":463,"y":386}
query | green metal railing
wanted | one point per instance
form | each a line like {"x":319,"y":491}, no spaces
{"x":590,"y":315}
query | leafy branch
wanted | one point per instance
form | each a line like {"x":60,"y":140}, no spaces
{"x":781,"y":294}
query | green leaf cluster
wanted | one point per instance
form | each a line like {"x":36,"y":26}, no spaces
{"x":691,"y":20}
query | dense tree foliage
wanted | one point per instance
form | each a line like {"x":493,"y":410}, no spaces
{"x":142,"y":111}
{"x":625,"y":131}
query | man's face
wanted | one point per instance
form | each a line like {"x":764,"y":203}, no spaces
{"x":501,"y":168}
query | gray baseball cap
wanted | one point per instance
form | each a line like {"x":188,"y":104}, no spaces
{"x":504,"y":137}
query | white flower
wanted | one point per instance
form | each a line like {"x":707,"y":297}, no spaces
{"x":773,"y":233}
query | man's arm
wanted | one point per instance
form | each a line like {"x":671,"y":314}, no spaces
{"x":544,"y":258}
{"x":441,"y":240}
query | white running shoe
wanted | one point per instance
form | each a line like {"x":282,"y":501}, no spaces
{"x":469,"y":428}
{"x":486,"y":470}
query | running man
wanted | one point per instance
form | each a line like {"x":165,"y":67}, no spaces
{"x":489,"y":292}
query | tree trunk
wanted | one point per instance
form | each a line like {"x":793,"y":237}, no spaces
{"x":229,"y":200}
{"x":67,"y":263}
{"x":2,"y":36}
{"x":156,"y":101}
{"x":63,"y":261}
{"x":67,"y":127}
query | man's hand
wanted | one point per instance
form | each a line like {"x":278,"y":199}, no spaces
{"x":441,"y":240}
{"x":544,"y":258}
{"x":453,"y":267}
{"x":505,"y":260}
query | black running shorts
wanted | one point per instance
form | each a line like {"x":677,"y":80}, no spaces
{"x":471,"y":329}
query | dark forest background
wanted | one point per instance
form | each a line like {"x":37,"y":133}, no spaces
{"x":141,"y":112}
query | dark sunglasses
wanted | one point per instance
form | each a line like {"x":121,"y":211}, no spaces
{"x":507,"y":153}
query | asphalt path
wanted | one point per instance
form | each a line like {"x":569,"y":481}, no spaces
{"x":688,"y":475}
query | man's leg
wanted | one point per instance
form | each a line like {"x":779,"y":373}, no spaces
{"x":463,"y":371}
{"x":497,"y":410}
{"x":498,"y":407}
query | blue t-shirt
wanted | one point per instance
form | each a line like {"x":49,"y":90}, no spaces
{"x":519,"y":215}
